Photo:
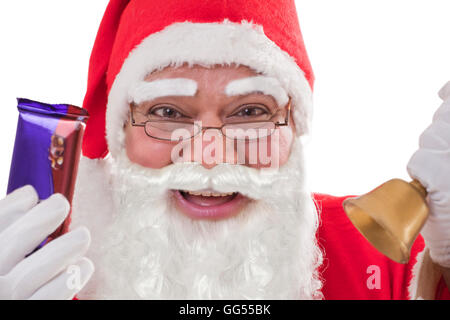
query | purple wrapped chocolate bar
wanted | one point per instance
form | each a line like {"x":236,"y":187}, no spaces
{"x":47,"y":149}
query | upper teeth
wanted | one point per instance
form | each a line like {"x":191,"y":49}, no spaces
{"x":209,"y":193}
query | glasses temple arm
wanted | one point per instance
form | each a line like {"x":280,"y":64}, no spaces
{"x":286,"y":119}
{"x":133,"y":122}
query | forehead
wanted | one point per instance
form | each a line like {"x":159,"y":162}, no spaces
{"x":217,"y":75}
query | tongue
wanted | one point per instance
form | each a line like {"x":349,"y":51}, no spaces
{"x":207,"y":201}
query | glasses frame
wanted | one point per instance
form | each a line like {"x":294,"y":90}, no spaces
{"x":144,"y":124}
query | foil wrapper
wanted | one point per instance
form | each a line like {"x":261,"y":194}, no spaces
{"x":47,"y":150}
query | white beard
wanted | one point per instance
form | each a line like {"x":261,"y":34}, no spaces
{"x":144,"y":248}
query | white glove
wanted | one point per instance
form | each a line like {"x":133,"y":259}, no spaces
{"x":431,"y":166}
{"x":56,"y":271}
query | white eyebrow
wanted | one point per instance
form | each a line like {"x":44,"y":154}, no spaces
{"x":262,"y":84}
{"x":149,"y":90}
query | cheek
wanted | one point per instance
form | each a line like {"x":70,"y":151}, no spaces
{"x":284,"y":141}
{"x":146,"y":151}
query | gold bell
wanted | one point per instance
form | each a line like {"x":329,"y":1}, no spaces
{"x":390,"y":217}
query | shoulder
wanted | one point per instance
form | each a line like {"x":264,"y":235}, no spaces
{"x":331,"y":211}
{"x":336,"y":233}
{"x":329,"y":202}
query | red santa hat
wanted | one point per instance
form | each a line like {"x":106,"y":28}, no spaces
{"x":137,"y":37}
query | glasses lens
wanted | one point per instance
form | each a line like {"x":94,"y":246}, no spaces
{"x":248,"y":130}
{"x":171,"y":131}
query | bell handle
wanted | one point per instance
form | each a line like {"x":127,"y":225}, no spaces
{"x":419,"y":187}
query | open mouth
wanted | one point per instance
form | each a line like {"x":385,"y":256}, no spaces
{"x":209,"y":204}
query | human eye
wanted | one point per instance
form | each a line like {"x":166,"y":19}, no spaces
{"x":164,"y":112}
{"x":250,"y":111}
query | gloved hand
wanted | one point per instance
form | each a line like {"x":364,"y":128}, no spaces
{"x":431,"y":166}
{"x":56,"y":271}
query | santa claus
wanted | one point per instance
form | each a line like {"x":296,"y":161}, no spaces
{"x":192,"y":183}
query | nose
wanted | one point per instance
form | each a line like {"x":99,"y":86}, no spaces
{"x":210,"y":143}
{"x":209,"y":146}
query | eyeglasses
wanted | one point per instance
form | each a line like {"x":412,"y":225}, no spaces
{"x":172,"y":130}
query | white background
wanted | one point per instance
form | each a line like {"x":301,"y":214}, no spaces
{"x":378,"y":67}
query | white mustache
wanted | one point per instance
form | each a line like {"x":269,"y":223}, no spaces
{"x":254,"y":183}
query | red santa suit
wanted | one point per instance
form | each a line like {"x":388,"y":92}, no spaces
{"x":351,"y":263}
{"x":137,"y":37}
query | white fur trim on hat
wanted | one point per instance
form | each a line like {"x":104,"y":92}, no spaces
{"x":206,"y":44}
